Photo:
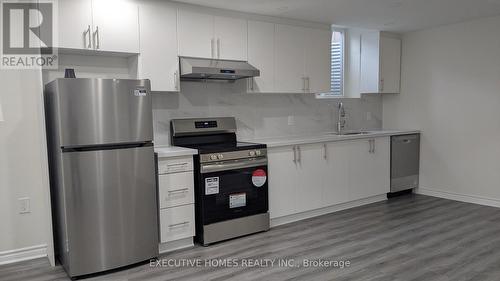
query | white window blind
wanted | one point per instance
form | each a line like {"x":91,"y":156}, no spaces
{"x":337,"y":63}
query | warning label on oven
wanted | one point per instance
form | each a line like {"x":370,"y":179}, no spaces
{"x":237,"y":200}
{"x":212,"y":186}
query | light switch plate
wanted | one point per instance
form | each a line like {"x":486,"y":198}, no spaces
{"x":24,"y":205}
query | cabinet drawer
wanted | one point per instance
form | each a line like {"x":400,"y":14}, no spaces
{"x":175,"y":165}
{"x":176,"y":189}
{"x":176,"y":223}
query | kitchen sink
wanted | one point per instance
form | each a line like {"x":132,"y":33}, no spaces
{"x":351,"y":133}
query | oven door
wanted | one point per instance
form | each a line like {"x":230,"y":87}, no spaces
{"x":233,"y":189}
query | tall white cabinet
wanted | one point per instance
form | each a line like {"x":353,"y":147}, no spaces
{"x":158,"y":60}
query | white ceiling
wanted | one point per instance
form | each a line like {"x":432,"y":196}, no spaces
{"x":388,"y":15}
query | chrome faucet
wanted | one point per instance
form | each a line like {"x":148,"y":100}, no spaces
{"x":341,"y":118}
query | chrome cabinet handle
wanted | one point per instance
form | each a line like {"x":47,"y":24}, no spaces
{"x":294,"y":154}
{"x":212,"y":45}
{"x":176,"y":80}
{"x":325,"y":152}
{"x":382,"y":84}
{"x":96,"y":35}
{"x":308,"y":80}
{"x":178,"y":224}
{"x":182,"y":190}
{"x":218,"y":48}
{"x":373,"y":149}
{"x":303,"y":84}
{"x":370,"y":149}
{"x":299,"y":154}
{"x":85,"y":33}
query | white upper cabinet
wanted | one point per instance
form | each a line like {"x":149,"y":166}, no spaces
{"x":261,"y":56}
{"x":302,"y":59}
{"x":116,"y":26}
{"x":390,"y":64}
{"x":99,"y":25}
{"x":158,"y":60}
{"x":230,"y":38}
{"x":289,"y":59}
{"x":380,"y":63}
{"x":75,"y":24}
{"x":317,"y":60}
{"x":195,"y":34}
{"x":207,"y":36}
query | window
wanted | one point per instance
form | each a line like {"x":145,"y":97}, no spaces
{"x":337,"y":59}
{"x":337,"y":66}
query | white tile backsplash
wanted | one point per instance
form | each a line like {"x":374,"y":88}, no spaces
{"x":260,"y":115}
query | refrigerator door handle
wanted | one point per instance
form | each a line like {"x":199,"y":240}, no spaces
{"x":105,"y":147}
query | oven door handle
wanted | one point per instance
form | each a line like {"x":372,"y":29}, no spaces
{"x":233,"y":165}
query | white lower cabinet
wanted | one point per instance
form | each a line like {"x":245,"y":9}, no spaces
{"x":176,"y":189}
{"x":335,"y":173}
{"x":307,"y":177}
{"x":369,"y":169}
{"x":176,"y":201}
{"x":176,"y":223}
{"x":282,"y":184}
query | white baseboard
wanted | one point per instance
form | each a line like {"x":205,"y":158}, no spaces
{"x":326,"y":210}
{"x":23,"y":254}
{"x":176,"y":245}
{"x":459,"y":197}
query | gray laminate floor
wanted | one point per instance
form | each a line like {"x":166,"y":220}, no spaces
{"x":408,"y":238}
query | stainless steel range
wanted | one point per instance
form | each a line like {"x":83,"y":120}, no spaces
{"x":231,"y":191}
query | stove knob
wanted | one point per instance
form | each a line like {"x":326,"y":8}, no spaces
{"x":257,"y":152}
{"x":220,"y":156}
{"x":251,"y":153}
{"x":213,"y":157}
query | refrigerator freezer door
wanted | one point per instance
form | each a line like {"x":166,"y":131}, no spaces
{"x":112,"y":217}
{"x":101,"y":111}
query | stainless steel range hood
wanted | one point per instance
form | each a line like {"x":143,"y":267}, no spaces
{"x":215,"y":69}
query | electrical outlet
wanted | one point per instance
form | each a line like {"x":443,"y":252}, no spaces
{"x":291,"y":120}
{"x":24,"y":205}
{"x":368,"y":116}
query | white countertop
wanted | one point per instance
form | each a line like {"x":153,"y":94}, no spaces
{"x":328,"y":137}
{"x":174,"y":151}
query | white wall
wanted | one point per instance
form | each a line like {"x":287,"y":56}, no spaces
{"x":23,"y":165}
{"x":451,"y":91}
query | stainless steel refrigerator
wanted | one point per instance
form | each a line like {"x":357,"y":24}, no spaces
{"x":102,"y":172}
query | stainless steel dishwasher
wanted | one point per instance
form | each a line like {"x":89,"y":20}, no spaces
{"x":405,"y":159}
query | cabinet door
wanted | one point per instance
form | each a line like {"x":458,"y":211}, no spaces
{"x":196,"y":34}
{"x":261,"y":55}
{"x":116,"y":26}
{"x":390,"y":65}
{"x":370,"y":59}
{"x":382,"y":166}
{"x":158,"y":58}
{"x":75,"y":24}
{"x":231,"y":38}
{"x":336,"y":173}
{"x":369,"y":173}
{"x":317,"y":60}
{"x":309,"y":177}
{"x":282,"y":185}
{"x":289,"y":59}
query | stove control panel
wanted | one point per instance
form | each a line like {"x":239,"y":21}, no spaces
{"x":233,"y":155}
